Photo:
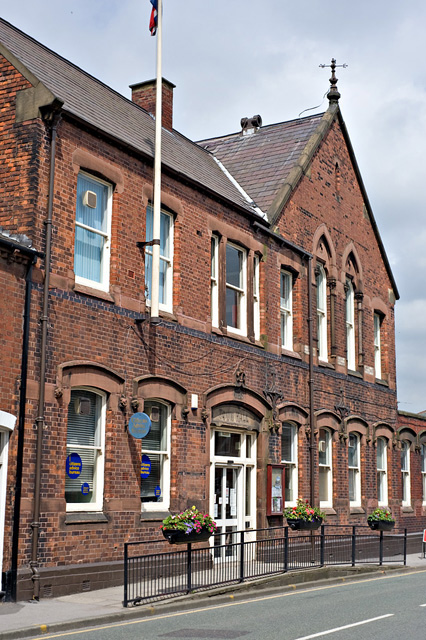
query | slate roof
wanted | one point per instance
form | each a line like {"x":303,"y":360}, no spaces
{"x":261,"y":161}
{"x":100,"y":106}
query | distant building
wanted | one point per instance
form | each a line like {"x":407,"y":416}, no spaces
{"x":275,"y":341}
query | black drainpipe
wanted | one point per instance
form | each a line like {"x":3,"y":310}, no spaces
{"x":11,"y":577}
{"x":40,"y":420}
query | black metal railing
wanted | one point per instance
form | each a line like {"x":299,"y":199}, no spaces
{"x":154,"y":572}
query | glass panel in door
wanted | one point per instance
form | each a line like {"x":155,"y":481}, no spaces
{"x":226,"y":510}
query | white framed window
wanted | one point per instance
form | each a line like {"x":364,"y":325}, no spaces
{"x":382,"y":471}
{"x":92,"y":232}
{"x":377,"y":347}
{"x":424,"y":472}
{"x":286,"y":310}
{"x":405,"y":473}
{"x":256,"y":298}
{"x":214,"y":280}
{"x":350,"y":325}
{"x":325,"y":468}
{"x":236,"y":289}
{"x":155,"y":488}
{"x":165,"y":294}
{"x":289,"y":458}
{"x":84,"y":478}
{"x":354,"y":470}
{"x":321,"y":282}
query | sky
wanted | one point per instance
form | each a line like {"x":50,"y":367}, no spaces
{"x":236,"y":58}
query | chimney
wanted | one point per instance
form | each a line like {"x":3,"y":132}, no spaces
{"x":250,"y":125}
{"x":143,"y":94}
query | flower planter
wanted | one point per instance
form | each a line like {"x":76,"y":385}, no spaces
{"x":381,"y":525}
{"x":177,"y":536}
{"x":304,"y":525}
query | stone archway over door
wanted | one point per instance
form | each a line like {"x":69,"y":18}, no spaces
{"x":7,"y":424}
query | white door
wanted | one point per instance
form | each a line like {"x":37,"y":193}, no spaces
{"x":227,"y":495}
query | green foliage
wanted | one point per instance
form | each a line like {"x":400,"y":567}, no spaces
{"x":380,"y":514}
{"x":190,"y":520}
{"x":303,"y":511}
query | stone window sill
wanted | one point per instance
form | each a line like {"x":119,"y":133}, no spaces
{"x":80,"y":517}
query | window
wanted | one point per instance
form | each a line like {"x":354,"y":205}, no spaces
{"x":350,"y":325}
{"x":92,"y":232}
{"x":289,"y":458}
{"x":424,"y":472}
{"x":321,"y":283}
{"x":325,"y":468}
{"x":166,"y":259}
{"x":354,"y":470}
{"x":155,"y":488}
{"x":256,"y":300}
{"x":382,"y":472}
{"x":84,"y":480}
{"x":214,"y":281}
{"x":405,"y":471}
{"x":236,"y":286}
{"x":286,"y":310}
{"x":377,"y":347}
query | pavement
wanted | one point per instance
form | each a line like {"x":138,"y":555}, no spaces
{"x":32,"y":619}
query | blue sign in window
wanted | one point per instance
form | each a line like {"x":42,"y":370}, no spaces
{"x":74,"y":465}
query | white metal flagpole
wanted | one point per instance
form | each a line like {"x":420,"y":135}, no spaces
{"x":155,"y":283}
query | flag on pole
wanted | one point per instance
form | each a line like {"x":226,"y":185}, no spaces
{"x":153,"y":19}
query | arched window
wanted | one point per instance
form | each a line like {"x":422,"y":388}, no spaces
{"x":155,"y":486}
{"x":424,"y":472}
{"x":354,"y":470}
{"x":350,"y":325}
{"x":325,"y":468}
{"x":289,"y":458}
{"x":321,"y":282}
{"x":405,"y":473}
{"x":382,"y":472}
{"x":84,"y":481}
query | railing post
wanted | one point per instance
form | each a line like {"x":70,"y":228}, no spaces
{"x":125,"y":600}
{"x":286,"y":549}
{"x":322,"y":544}
{"x":381,"y":549}
{"x":353,"y":545}
{"x":405,"y":547}
{"x":189,"y":567}
{"x":242,"y":555}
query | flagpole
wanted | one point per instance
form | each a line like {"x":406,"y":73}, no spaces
{"x":155,"y":284}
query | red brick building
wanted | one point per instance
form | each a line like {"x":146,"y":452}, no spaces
{"x":273,"y":363}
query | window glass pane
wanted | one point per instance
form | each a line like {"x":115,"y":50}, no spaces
{"x":423,"y":458}
{"x":155,"y":440}
{"x":353,"y":451}
{"x":352,"y":485}
{"x":213,"y":257}
{"x":381,"y":454}
{"x":227,"y":444}
{"x":92,"y":217}
{"x":88,"y":254}
{"x":165,"y":223}
{"x":234,"y":263}
{"x":323,"y":454}
{"x":248,"y":491}
{"x":404,"y":456}
{"x":323,"y":484}
{"x":233,"y":308}
{"x":287,"y":443}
